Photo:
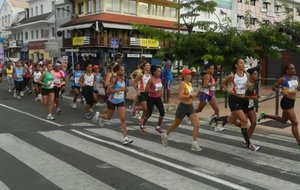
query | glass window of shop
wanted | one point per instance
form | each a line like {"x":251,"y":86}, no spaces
{"x":173,"y":12}
{"x":144,"y":8}
{"x":32,"y":34}
{"x":90,"y":6}
{"x":153,"y":9}
{"x":167,"y":12}
{"x":99,"y":5}
{"x":113,"y":5}
{"x":129,"y":7}
{"x":80,"y":8}
{"x":160,"y":10}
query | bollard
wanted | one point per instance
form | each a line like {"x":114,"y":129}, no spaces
{"x":277,"y":103}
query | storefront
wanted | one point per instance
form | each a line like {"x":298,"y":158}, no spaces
{"x":36,"y":51}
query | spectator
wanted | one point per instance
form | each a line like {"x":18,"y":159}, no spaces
{"x":167,"y":78}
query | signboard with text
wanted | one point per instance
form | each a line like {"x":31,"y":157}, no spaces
{"x":80,"y":41}
{"x":144,"y":42}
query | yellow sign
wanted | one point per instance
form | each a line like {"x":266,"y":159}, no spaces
{"x":144,"y":42}
{"x":79,"y":41}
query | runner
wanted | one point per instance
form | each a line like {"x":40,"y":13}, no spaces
{"x":1,"y":70}
{"x":35,"y":78}
{"x":96,"y":93}
{"x":9,"y":75}
{"x":59,"y":78}
{"x":186,"y":94}
{"x":75,"y":85}
{"x":154,"y":90}
{"x":239,"y":80}
{"x":133,"y":76}
{"x":208,"y":95}
{"x":290,"y":85}
{"x":140,"y":83}
{"x":18,"y":79}
{"x":87,"y":82}
{"x":47,"y":82}
{"x":116,"y":99}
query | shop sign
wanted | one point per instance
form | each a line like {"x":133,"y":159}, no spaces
{"x":80,"y":41}
{"x":133,"y":55}
{"x":144,"y":42}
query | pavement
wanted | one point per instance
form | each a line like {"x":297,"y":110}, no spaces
{"x":267,"y":105}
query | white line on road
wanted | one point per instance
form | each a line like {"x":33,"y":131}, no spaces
{"x":3,"y":186}
{"x":30,"y":115}
{"x":194,"y":172}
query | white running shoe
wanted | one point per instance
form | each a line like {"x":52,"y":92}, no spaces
{"x":253,"y":147}
{"x":164,"y":139}
{"x":50,"y":117}
{"x":15,"y":95}
{"x":219,"y":128}
{"x":73,"y":105}
{"x":212,"y":119}
{"x":9,"y":90}
{"x":22,"y":93}
{"x":91,"y":110}
{"x":19,"y":97}
{"x":127,"y":140}
{"x":58,"y":110}
{"x":101,"y":122}
{"x":96,"y":117}
{"x":196,"y":147}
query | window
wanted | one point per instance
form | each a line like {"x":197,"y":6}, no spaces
{"x":99,"y":5}
{"x":154,"y":9}
{"x":68,"y":11}
{"x":80,"y":8}
{"x":53,"y":5}
{"x":173,"y":12}
{"x":18,"y":36}
{"x":90,"y":6}
{"x":113,"y":5}
{"x":26,"y":35}
{"x":167,"y":12}
{"x":58,"y":13}
{"x":32,"y":34}
{"x":42,"y":33}
{"x":8,"y":19}
{"x":144,"y":8}
{"x":252,"y":21}
{"x":37,"y":34}
{"x":63,"y":12}
{"x":31,"y":11}
{"x":2,"y":20}
{"x":240,"y":1}
{"x":22,"y":36}
{"x":5,"y":19}
{"x":129,"y":6}
{"x":277,"y":8}
{"x":53,"y":32}
{"x":160,"y":10}
{"x":252,"y":2}
{"x":36,"y":11}
{"x":42,"y":9}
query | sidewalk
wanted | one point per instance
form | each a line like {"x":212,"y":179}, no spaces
{"x":266,"y":106}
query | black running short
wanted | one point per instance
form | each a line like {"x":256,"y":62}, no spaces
{"x":287,"y":103}
{"x":143,"y":97}
{"x":184,"y":110}
{"x":46,"y":92}
{"x":113,"y":106}
{"x":236,"y":103}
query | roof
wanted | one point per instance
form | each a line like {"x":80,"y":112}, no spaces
{"x":36,"y":18}
{"x":19,"y":3}
{"x":122,"y":19}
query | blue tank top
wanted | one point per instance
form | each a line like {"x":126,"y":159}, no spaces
{"x":76,"y":76}
{"x":118,"y":97}
{"x":18,"y":75}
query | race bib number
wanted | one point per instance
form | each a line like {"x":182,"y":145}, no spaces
{"x":119,"y":95}
{"x":50,"y":84}
{"x":19,"y":75}
{"x":76,"y":80}
{"x":158,"y":86}
{"x":293,"y":84}
{"x":251,"y":104}
{"x":57,"y":81}
{"x":213,"y":88}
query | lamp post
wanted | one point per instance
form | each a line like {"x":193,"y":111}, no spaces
{"x":189,"y":25}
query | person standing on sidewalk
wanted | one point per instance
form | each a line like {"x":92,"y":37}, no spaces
{"x":154,"y":90}
{"x":140,"y":83}
{"x":208,"y":95}
{"x":116,"y":99}
{"x":240,"y":82}
{"x":47,"y":82}
{"x":167,"y":78}
{"x":186,"y":95}
{"x":290,"y":85}
{"x":87,"y":81}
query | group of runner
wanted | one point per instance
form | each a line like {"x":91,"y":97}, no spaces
{"x":48,"y":82}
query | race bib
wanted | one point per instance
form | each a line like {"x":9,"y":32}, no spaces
{"x":158,"y":86}
{"x":251,"y":103}
{"x":50,"y":84}
{"x":119,"y":95}
{"x":57,"y":81}
{"x":293,"y":84}
{"x":19,"y":75}
{"x":213,"y":88}
{"x":76,"y":80}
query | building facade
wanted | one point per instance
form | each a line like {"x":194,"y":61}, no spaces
{"x":101,"y":28}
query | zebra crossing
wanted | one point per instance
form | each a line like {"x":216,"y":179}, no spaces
{"x":92,"y":157}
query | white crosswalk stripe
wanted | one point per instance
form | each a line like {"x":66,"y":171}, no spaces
{"x":172,"y":167}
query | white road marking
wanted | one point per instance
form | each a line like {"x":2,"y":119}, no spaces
{"x":3,"y":186}
{"x":33,"y":116}
{"x":197,"y":173}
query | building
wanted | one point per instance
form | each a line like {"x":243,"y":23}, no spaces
{"x":9,"y":12}
{"x":101,"y":28}
{"x":35,"y":30}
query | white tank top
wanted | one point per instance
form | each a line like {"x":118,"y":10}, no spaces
{"x":36,"y":76}
{"x":240,"y":84}
{"x":144,"y":81}
{"x":89,"y":79}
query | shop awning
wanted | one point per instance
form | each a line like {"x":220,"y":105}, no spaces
{"x":117,"y":26}
{"x":80,"y":26}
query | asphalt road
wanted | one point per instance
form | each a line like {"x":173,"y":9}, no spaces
{"x":73,"y":153}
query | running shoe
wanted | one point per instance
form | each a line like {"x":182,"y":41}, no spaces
{"x":22,"y":93}
{"x":219,"y":128}
{"x":253,"y":147}
{"x":101,"y":122}
{"x":91,"y":110}
{"x":58,"y":110}
{"x":223,"y":120}
{"x":82,"y":100}
{"x":88,"y":116}
{"x":212,"y":119}
{"x":187,"y":121}
{"x":15,"y":95}
{"x":164,"y":139}
{"x":73,"y":105}
{"x":50,"y":117}
{"x":9,"y":90}
{"x":127,"y":140}
{"x":244,"y":144}
{"x":143,"y":129}
{"x":96,"y":117}
{"x":19,"y":97}
{"x":196,"y":147}
{"x":261,"y":116}
{"x":159,"y":129}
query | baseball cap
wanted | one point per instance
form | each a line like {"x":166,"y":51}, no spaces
{"x":186,"y":71}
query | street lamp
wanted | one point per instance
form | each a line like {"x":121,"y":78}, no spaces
{"x":189,"y":25}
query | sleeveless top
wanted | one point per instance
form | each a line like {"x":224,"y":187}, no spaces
{"x":98,"y":80}
{"x":290,"y":85}
{"x":36,"y":75}
{"x":211,"y":90}
{"x":58,"y":77}
{"x":157,"y":85}
{"x":49,"y":80}
{"x":89,"y":79}
{"x":117,"y":97}
{"x":9,"y":72}
{"x":18,"y":75}
{"x":189,"y":89}
{"x":143,"y":82}
{"x":76,"y":78}
{"x":240,"y":84}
